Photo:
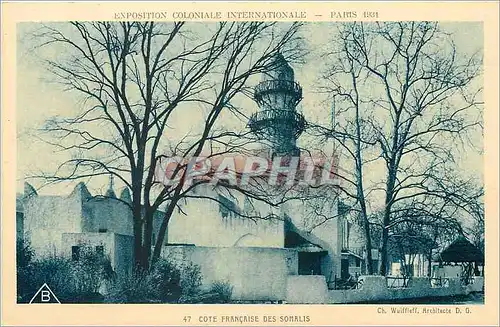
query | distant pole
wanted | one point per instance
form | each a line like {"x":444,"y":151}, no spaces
{"x":332,"y":115}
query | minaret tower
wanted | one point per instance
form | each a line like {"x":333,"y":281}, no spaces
{"x":277,"y":122}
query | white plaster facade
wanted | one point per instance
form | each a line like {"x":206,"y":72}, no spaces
{"x":54,"y":225}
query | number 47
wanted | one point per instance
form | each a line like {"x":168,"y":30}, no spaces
{"x":186,"y":319}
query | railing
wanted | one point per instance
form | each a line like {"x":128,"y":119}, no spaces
{"x":439,"y":281}
{"x":273,"y":86}
{"x":279,"y":119}
{"x":398,"y":281}
{"x":351,"y":283}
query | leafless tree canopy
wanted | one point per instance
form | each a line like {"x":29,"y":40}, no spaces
{"x":405,"y":97}
{"x":135,"y":78}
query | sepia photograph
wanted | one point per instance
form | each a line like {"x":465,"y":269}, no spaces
{"x":250,"y":162}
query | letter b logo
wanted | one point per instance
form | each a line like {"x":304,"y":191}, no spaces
{"x":45,"y":296}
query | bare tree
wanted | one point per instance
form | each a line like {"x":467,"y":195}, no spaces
{"x":423,"y":232}
{"x":135,"y":77}
{"x":474,"y":205}
{"x":406,"y":100}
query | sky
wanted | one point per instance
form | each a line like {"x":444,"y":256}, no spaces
{"x":39,"y":99}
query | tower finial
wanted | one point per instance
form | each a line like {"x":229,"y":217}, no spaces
{"x":110,"y":192}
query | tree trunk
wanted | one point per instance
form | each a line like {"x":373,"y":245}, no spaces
{"x":389,"y":191}
{"x":429,"y":264}
{"x":163,"y":230}
{"x":148,"y":234}
{"x":368,"y":243}
{"x":385,"y":238}
{"x":140,"y":261}
{"x":139,"y":265}
{"x":360,"y":187}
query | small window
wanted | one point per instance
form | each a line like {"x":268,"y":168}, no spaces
{"x":358,"y":262}
{"x":99,"y":249}
{"x":103,"y":230}
{"x":75,"y":253}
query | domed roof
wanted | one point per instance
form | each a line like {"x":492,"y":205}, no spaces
{"x":279,"y":70}
{"x":125,"y":195}
{"x":280,"y":59}
{"x":110,"y":193}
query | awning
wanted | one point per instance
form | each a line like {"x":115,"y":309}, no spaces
{"x":302,"y":241}
{"x":349,"y":253}
{"x":309,"y":247}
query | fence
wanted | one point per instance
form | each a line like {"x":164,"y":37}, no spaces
{"x":397,"y":281}
{"x":351,"y":283}
{"x":375,"y":289}
{"x":466,"y":280}
{"x":439,"y":282}
{"x":378,"y":289}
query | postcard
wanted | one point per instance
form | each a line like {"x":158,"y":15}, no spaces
{"x":249,"y":163}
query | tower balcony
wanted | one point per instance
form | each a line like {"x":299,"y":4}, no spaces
{"x":277,"y":121}
{"x":287,"y":88}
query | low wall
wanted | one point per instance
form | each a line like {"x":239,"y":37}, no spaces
{"x":306,"y":289}
{"x":375,"y":288}
{"x":313,"y":289}
{"x":256,"y":273}
{"x":476,"y":286}
{"x":270,"y":274}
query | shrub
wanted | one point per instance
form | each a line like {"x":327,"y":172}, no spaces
{"x":132,"y":289}
{"x":71,"y":281}
{"x":162,"y":284}
{"x":79,"y":281}
{"x":191,"y":281}
{"x":165,"y":278}
{"x":219,"y":292}
{"x":223,"y":291}
{"x":25,"y":271}
{"x":90,"y":271}
{"x":56,"y":272}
